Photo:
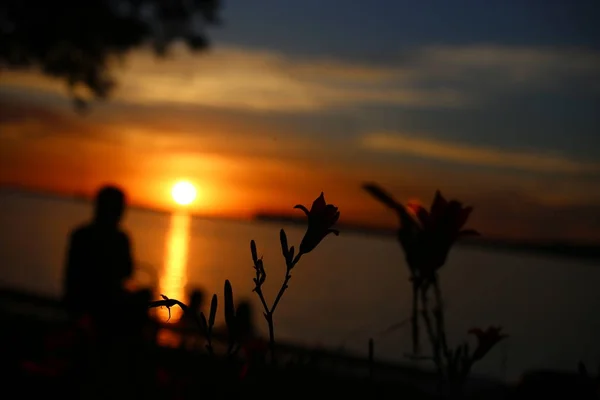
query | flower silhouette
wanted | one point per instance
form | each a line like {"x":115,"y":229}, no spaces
{"x":447,"y":218}
{"x":426,"y":235}
{"x":486,"y":339}
{"x":321,"y":218}
{"x":428,"y":243}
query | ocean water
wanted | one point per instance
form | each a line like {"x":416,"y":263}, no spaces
{"x":351,"y":288}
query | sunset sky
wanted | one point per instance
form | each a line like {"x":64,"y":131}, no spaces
{"x":494,"y":102}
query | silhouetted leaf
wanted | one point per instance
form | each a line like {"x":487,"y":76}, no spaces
{"x":376,"y":191}
{"x":168,"y":306}
{"x":203,"y":323}
{"x":263,"y":276}
{"x":213,"y":311}
{"x":229,"y":307}
{"x":284,"y":243}
{"x":253,"y":250}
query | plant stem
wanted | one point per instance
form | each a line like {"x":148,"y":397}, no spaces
{"x":415,"y":317}
{"x":284,"y":286}
{"x":209,"y":346}
{"x":262,"y":299}
{"x":439,"y":316}
{"x":281,"y":291}
{"x":431,"y":333}
{"x":268,"y":313}
{"x":269,"y":318}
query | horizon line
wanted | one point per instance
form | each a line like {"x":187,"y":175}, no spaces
{"x":561,"y":247}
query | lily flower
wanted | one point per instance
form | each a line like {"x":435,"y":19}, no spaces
{"x":321,"y":217}
{"x":426,"y":235}
{"x":439,"y":228}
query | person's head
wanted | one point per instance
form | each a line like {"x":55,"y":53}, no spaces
{"x":243,"y":316}
{"x":196,"y":299}
{"x":110,"y":204}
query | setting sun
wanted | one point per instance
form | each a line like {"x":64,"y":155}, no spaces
{"x":183,"y":193}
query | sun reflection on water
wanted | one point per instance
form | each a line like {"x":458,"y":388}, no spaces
{"x":173,"y":278}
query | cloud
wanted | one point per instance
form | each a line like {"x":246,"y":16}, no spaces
{"x":197,"y":141}
{"x":266,"y":81}
{"x":475,"y":155}
{"x":510,"y":64}
{"x":239,"y":171}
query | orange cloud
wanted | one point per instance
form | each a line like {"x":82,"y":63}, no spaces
{"x":56,"y":149}
{"x":241,"y":167}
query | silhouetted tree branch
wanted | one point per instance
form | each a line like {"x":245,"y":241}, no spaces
{"x":76,"y":40}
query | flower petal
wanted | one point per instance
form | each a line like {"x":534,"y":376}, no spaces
{"x":452,"y":215}
{"x":301,"y":207}
{"x":335,"y":218}
{"x":319,"y":204}
{"x":377,"y":192}
{"x":421,"y":213}
{"x":329,"y":211}
{"x":439,"y":205}
{"x":463,"y":215}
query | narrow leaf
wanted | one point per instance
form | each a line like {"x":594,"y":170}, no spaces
{"x":203,"y":323}
{"x":229,"y":308}
{"x":213,"y":311}
{"x":253,"y":250}
{"x":376,"y":191}
{"x":284,"y":243}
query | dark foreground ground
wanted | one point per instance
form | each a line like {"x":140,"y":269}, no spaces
{"x":41,"y":359}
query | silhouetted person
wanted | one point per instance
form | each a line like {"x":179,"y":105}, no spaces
{"x":98,"y":263}
{"x":189,"y":320}
{"x":196,"y":300}
{"x":244,"y":320}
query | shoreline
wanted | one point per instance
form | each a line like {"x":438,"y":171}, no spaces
{"x":21,"y":308}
